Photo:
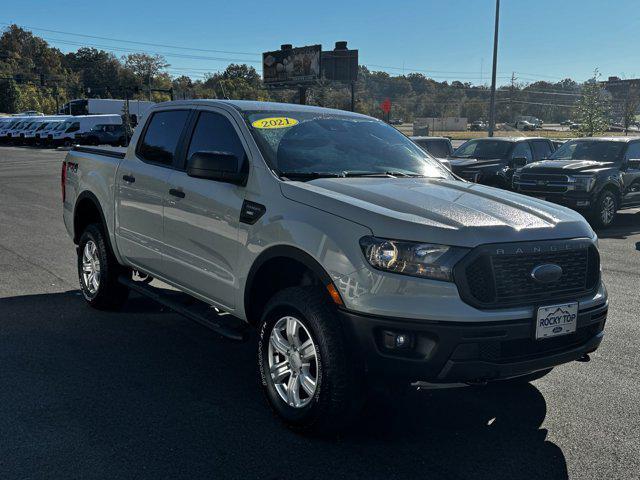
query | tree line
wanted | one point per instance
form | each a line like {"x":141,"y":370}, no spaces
{"x":36,"y":76}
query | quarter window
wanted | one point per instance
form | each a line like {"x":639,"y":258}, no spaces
{"x":162,"y":136}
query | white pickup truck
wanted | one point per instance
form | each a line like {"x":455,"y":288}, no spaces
{"x":356,"y":256}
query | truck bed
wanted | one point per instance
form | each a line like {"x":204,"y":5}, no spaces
{"x":115,"y":152}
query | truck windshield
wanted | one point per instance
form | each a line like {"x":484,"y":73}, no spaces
{"x":483,"y":149}
{"x":312,"y":145}
{"x":600,"y":150}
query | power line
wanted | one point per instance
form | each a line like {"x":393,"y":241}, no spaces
{"x":136,"y":42}
{"x":165,"y":54}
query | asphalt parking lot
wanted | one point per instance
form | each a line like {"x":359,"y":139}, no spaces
{"x":146,"y":393}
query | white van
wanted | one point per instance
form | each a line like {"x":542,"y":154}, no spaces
{"x":8,"y":123}
{"x":73,"y":127}
{"x":28,"y":134}
{"x":13,"y":129}
{"x":41,"y":135}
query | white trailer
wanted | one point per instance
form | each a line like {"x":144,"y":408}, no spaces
{"x":104,"y":106}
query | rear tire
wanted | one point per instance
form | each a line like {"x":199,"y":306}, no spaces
{"x":604,"y":211}
{"x":310,"y":378}
{"x":98,"y":271}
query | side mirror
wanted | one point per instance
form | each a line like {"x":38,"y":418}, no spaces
{"x":220,"y":166}
{"x":517,"y":162}
{"x":633,"y":163}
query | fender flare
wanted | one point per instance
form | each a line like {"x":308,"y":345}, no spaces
{"x":91,"y":197}
{"x":610,"y":184}
{"x":285,"y":251}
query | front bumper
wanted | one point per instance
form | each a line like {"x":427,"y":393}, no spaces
{"x":573,"y":200}
{"x":458,"y":352}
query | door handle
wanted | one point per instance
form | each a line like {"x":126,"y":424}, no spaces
{"x":176,"y":193}
{"x":129,"y":178}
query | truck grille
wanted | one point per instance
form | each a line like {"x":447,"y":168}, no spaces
{"x":542,"y":182}
{"x":488,"y":279}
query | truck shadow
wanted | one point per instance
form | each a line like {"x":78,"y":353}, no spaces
{"x":145,"y":393}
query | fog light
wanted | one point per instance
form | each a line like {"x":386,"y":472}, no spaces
{"x":582,"y":203}
{"x":397,"y":340}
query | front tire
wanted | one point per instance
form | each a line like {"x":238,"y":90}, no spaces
{"x":605,"y":209}
{"x":307,"y":368}
{"x":98,"y":271}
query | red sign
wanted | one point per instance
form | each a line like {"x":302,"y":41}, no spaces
{"x":386,"y":106}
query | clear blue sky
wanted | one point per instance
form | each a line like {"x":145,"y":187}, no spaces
{"x":447,"y":39}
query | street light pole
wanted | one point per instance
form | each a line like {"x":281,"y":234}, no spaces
{"x":492,"y":104}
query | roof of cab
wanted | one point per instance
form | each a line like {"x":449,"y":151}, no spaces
{"x":509,"y":139}
{"x":251,"y":105}
{"x":421,"y":137}
{"x":609,"y":139}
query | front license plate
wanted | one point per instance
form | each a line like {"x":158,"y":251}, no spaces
{"x":556,"y":320}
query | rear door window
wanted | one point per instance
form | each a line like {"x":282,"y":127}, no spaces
{"x":541,"y":149}
{"x":437,"y":148}
{"x":160,"y":140}
{"x":633,"y":152}
{"x":522,"y":150}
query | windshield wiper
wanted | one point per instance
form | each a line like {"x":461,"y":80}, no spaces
{"x":344,"y":174}
{"x":309,"y":175}
{"x":380,"y":174}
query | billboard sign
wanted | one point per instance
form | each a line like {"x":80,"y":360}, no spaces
{"x":292,"y":66}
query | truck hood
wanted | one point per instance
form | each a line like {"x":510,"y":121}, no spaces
{"x":450,"y":212}
{"x":567,"y":166}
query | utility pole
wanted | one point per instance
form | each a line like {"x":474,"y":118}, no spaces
{"x":353,"y":96}
{"x":511,"y":94}
{"x":492,"y":104}
{"x":149,"y":84}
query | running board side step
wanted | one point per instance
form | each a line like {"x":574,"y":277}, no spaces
{"x":226,"y":325}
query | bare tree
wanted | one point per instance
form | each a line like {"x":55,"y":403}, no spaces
{"x":630,"y":107}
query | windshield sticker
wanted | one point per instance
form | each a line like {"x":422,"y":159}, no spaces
{"x":275,"y":122}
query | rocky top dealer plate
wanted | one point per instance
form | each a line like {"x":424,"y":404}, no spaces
{"x":555,"y":320}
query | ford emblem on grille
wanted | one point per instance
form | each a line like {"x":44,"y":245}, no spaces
{"x":546,"y":273}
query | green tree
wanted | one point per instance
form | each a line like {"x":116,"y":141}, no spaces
{"x":593,"y":108}
{"x":98,"y":71}
{"x":9,"y":96}
{"x":146,"y":69}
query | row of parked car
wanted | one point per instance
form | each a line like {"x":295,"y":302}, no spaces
{"x":57,"y":130}
{"x":595,"y":176}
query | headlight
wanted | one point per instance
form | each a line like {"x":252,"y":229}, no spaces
{"x":582,"y":183}
{"x":426,"y":260}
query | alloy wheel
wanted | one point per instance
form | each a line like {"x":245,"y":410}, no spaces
{"x":608,"y":210}
{"x":91,"y":267}
{"x":293,"y":362}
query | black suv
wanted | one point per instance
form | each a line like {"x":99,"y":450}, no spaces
{"x":104,"y":135}
{"x":492,"y":161}
{"x":597,"y":176}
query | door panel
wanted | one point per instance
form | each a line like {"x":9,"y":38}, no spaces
{"x":201,"y":236}
{"x":139,"y":209}
{"x":631,"y":176}
{"x":141,"y":183}
{"x":201,"y":218}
